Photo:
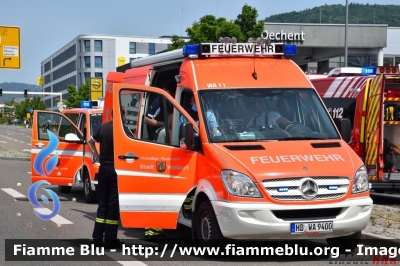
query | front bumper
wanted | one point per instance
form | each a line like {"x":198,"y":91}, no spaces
{"x":257,"y":221}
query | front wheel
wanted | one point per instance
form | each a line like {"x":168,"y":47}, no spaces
{"x":208,"y":231}
{"x":345,"y":243}
{"x":90,"y":195}
{"x":64,"y":189}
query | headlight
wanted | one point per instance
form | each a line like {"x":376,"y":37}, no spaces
{"x":239,"y":184}
{"x":360,"y":181}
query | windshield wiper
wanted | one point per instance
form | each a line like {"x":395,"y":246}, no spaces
{"x":303,"y":138}
{"x":245,"y":140}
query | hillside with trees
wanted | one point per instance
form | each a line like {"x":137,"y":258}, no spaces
{"x":15,"y":86}
{"x":336,"y":14}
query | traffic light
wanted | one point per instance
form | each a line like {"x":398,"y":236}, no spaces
{"x":25,"y":93}
{"x":1,"y":92}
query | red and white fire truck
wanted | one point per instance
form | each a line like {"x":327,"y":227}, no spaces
{"x":370,"y":98}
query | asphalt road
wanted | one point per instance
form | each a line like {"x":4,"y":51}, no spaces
{"x":76,"y":222}
{"x":75,"y":219}
{"x":15,"y":138}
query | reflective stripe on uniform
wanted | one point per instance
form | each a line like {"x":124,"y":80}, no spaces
{"x":153,"y":231}
{"x":112,"y":222}
{"x":100,"y":220}
{"x":188,"y":203}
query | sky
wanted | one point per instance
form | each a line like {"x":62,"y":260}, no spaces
{"x":47,"y":25}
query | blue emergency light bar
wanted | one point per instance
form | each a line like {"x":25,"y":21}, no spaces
{"x":239,"y":49}
{"x":86,"y":104}
{"x":368,"y":70}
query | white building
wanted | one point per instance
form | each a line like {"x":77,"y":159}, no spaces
{"x":93,"y":56}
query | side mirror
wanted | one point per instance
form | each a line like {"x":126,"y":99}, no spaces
{"x":186,"y":136}
{"x":344,"y":126}
{"x":71,"y":137}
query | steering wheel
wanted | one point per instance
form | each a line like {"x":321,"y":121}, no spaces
{"x":297,"y":128}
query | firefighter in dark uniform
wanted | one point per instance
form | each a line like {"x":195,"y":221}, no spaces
{"x":154,"y":117}
{"x":107,"y":219}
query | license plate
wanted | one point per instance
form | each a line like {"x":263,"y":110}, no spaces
{"x":311,"y":228}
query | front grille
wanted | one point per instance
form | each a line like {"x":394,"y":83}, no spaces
{"x":307,"y":214}
{"x":293,"y":192}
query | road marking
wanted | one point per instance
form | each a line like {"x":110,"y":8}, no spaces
{"x":29,"y":173}
{"x":13,"y":193}
{"x":2,"y":141}
{"x":26,"y":150}
{"x":21,"y":141}
{"x":117,"y":257}
{"x":57,"y":219}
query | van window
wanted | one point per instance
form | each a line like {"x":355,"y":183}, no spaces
{"x":95,"y":122}
{"x":265,"y":114}
{"x":141,"y":105}
{"x":54,"y":123}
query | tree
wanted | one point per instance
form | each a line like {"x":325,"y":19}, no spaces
{"x":24,"y":107}
{"x":176,"y":43}
{"x":209,"y":29}
{"x":75,"y":97}
{"x":249,"y":26}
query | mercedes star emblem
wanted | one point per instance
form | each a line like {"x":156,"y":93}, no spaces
{"x":308,"y":188}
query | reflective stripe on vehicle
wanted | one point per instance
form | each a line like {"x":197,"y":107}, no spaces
{"x":151,"y":202}
{"x":69,"y":152}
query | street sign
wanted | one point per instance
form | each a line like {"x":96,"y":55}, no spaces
{"x":96,"y":88}
{"x":10,"y":49}
{"x":61,"y":109}
{"x":31,"y":110}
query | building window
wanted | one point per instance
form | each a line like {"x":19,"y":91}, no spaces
{"x":79,"y":45}
{"x":98,"y":61}
{"x":87,"y":61}
{"x":98,"y":46}
{"x":132,"y":48}
{"x":152,"y":48}
{"x":98,"y":75}
{"x":388,"y":61}
{"x":87,"y":76}
{"x":87,"y":46}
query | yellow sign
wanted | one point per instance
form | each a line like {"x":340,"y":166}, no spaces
{"x":28,"y":115}
{"x":96,"y":88}
{"x":10,"y":49}
{"x":121,"y":61}
{"x":61,"y":109}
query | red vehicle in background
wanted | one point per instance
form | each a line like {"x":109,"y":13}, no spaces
{"x":370,"y":98}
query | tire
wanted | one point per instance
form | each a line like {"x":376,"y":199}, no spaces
{"x":89,"y":194}
{"x":64,"y":189}
{"x":345,"y":242}
{"x":208,"y":231}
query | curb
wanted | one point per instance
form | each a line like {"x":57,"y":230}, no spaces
{"x":16,"y":158}
{"x":366,"y":235}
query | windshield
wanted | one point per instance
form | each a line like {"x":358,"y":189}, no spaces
{"x":95,"y":122}
{"x":265,"y":114}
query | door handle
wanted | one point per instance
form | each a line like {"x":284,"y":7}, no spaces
{"x":39,"y":144}
{"x":128,"y":157}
